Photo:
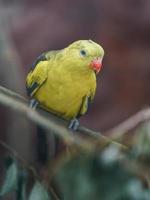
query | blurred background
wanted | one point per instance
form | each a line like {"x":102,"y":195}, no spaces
{"x":30,"y":27}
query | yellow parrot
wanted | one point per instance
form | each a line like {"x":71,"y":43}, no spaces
{"x":64,"y":81}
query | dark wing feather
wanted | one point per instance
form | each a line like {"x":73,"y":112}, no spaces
{"x":39,"y":72}
{"x":85,"y":104}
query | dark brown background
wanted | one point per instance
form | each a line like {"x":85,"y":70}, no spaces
{"x":122,"y":27}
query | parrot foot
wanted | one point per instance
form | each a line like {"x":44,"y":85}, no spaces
{"x":74,"y":124}
{"x":33,"y":103}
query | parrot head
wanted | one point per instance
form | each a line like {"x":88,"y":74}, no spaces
{"x":86,"y":55}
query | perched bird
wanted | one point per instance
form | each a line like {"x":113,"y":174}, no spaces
{"x":64,"y":81}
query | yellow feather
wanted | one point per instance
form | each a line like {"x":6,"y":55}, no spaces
{"x":65,"y":80}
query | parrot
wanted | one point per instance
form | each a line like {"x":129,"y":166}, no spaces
{"x":63,"y":82}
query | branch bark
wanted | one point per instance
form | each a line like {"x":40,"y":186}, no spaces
{"x":129,"y":124}
{"x":55,"y":124}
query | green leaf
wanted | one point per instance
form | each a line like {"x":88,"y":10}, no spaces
{"x":141,"y":147}
{"x":39,"y":192}
{"x":99,"y":177}
{"x":10,"y":182}
{"x":22,"y":182}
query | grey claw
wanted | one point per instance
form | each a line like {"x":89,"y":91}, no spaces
{"x":74,"y":124}
{"x":33,"y":104}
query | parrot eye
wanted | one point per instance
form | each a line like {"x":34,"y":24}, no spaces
{"x":83,"y":53}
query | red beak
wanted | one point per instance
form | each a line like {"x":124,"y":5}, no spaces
{"x":96,"y":65}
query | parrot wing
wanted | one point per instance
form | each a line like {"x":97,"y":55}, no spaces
{"x":39,"y":72}
{"x":87,"y":100}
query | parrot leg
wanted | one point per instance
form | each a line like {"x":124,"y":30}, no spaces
{"x":33,"y":104}
{"x":74,"y":124}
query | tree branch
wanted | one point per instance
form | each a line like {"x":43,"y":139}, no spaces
{"x":129,"y":124}
{"x":12,"y":94}
{"x":53,"y":123}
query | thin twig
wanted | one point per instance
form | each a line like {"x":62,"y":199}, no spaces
{"x":12,"y":94}
{"x":16,"y":155}
{"x":11,"y":150}
{"x":128,"y":125}
{"x":53,"y":193}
